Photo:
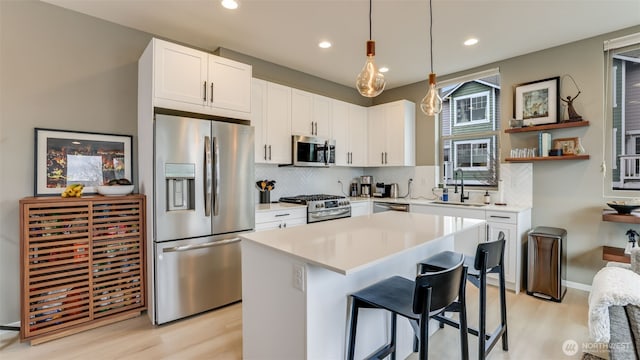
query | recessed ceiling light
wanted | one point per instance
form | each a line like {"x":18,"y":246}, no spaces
{"x":229,"y":4}
{"x":324,"y":44}
{"x":471,"y":41}
{"x":383,"y":69}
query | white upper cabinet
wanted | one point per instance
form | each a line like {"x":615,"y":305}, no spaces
{"x":391,"y":138}
{"x":180,"y":73}
{"x":229,"y":84}
{"x":310,"y":114}
{"x":192,"y":80}
{"x":271,"y":117}
{"x":339,"y":117}
{"x":358,"y":135}
{"x":349,"y":124}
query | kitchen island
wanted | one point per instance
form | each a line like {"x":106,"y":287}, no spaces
{"x":296,"y":282}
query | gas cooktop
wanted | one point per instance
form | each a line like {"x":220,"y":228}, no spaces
{"x":304,"y":199}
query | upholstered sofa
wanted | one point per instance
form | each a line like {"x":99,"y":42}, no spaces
{"x":624,"y":341}
{"x":614,"y":311}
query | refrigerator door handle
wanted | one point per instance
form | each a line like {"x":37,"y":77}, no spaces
{"x":207,"y":176}
{"x":216,"y":177}
{"x":200,"y":246}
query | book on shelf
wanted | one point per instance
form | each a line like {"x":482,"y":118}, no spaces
{"x":544,"y":143}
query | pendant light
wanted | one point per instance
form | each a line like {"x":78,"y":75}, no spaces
{"x":370,"y":81}
{"x":431,"y":104}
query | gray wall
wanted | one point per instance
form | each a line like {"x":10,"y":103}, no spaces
{"x":63,"y":70}
{"x":58,"y":70}
{"x":566,"y":194}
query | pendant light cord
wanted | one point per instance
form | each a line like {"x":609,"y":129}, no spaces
{"x":370,"y":5}
{"x":431,"y":35}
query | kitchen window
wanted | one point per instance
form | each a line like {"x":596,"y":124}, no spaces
{"x":622,"y":91}
{"x":469,"y":129}
{"x":471,"y":109}
{"x":472,"y":155}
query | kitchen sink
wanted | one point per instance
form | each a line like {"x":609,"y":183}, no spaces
{"x":456,"y":203}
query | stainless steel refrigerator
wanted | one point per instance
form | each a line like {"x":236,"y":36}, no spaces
{"x":203,"y":196}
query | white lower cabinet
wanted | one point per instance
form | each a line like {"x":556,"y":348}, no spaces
{"x":281,"y":218}
{"x":514,"y":225}
{"x":360,"y":208}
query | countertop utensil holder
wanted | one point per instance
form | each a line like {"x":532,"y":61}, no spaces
{"x":265,"y":197}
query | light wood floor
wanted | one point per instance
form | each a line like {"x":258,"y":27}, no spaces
{"x":537,"y":330}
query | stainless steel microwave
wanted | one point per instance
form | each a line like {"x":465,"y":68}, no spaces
{"x":313,"y":151}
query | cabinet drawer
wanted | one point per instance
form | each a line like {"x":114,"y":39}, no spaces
{"x":281,"y":215}
{"x":502,"y":217}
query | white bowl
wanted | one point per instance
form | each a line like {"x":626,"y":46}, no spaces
{"x":114,"y":190}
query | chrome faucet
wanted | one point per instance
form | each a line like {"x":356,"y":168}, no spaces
{"x":455,"y":177}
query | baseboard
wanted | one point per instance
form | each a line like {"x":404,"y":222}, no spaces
{"x":16,"y":324}
{"x":577,"y":286}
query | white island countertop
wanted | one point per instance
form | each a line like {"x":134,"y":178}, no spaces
{"x":352,"y":244}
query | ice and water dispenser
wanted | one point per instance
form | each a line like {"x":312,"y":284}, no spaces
{"x":180,"y":180}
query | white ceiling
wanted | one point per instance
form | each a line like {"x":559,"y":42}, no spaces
{"x":287,"y":32}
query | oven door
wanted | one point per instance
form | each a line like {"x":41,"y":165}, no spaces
{"x":313,"y":151}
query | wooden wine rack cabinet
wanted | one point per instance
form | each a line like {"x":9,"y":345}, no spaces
{"x":82,"y":263}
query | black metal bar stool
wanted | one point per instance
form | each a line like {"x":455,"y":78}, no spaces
{"x":489,"y":259}
{"x":418,"y":300}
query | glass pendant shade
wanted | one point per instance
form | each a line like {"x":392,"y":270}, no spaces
{"x":431,"y":104}
{"x":370,"y":81}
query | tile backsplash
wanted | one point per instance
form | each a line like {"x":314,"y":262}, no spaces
{"x":290,"y":181}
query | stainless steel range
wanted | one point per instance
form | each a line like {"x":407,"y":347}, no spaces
{"x":322,"y":207}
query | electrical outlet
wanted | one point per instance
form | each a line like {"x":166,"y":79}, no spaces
{"x":298,"y":277}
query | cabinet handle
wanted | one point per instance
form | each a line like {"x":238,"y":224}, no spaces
{"x":212,"y":92}
{"x":500,"y":217}
{"x":265,"y":151}
{"x":385,"y":158}
{"x":269,"y":152}
{"x":204,"y":87}
{"x":382,"y":157}
{"x":279,"y":215}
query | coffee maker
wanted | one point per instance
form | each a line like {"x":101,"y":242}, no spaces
{"x":365,"y":185}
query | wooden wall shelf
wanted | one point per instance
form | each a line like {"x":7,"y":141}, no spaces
{"x":548,"y":158}
{"x":616,"y":254}
{"x":613,"y":216}
{"x":82,"y":263}
{"x":563,"y":125}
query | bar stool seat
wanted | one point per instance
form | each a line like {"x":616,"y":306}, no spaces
{"x":489,"y":259}
{"x":427,"y":296}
